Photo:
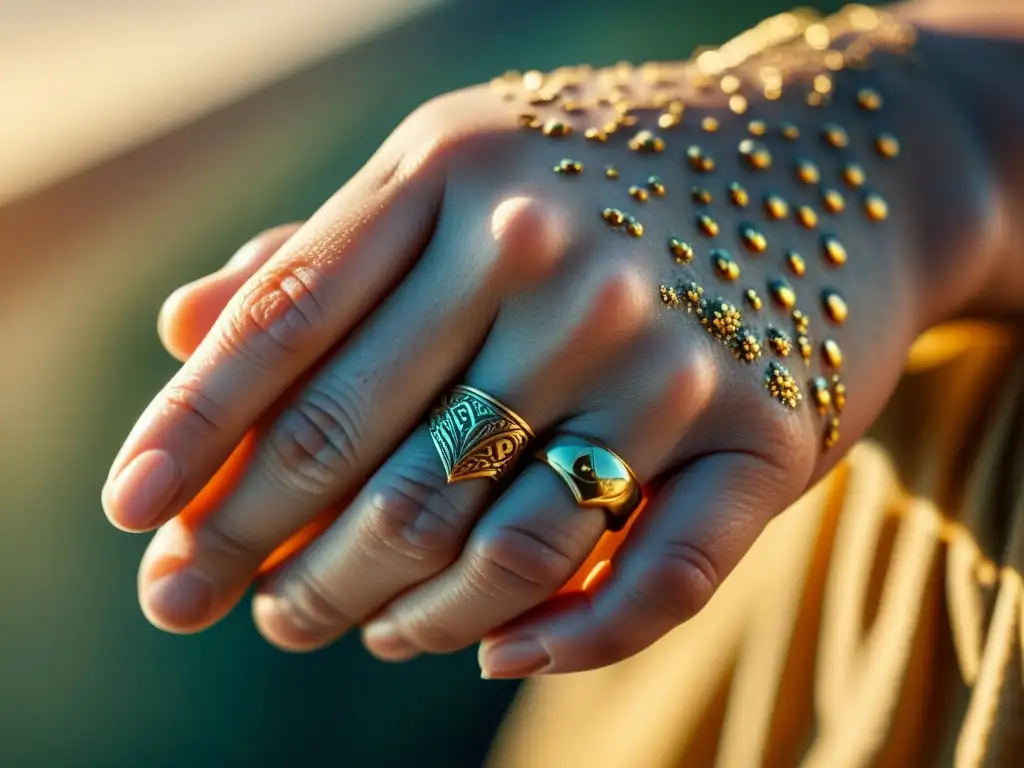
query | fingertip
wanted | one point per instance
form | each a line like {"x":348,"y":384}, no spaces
{"x":276,"y":622}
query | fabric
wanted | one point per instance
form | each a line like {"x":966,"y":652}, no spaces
{"x":878,"y":622}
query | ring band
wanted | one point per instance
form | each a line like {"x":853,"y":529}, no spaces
{"x":476,"y":435}
{"x":596,"y":476}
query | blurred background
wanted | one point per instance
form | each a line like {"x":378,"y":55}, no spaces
{"x":141,"y":142}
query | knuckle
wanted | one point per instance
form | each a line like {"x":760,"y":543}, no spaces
{"x":428,"y":634}
{"x":306,"y":604}
{"x":677,"y":586}
{"x":514,"y":560}
{"x":621,"y":303}
{"x":314,"y":445}
{"x":531,"y":238}
{"x":189,"y":403}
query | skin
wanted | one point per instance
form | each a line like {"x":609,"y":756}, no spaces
{"x":456,"y":254}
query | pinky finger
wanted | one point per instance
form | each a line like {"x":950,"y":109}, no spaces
{"x":695,"y":531}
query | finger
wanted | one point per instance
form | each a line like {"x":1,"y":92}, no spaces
{"x":408,"y":523}
{"x":338,"y":430}
{"x":687,"y":542}
{"x":311,"y":293}
{"x":189,"y":313}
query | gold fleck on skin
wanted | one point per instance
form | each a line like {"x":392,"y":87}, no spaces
{"x":815,"y":99}
{"x":556,"y":129}
{"x":869,"y":99}
{"x":833,"y":250}
{"x":572,"y":107}
{"x":887,"y":145}
{"x":746,"y":346}
{"x":595,"y":134}
{"x":613,"y":216}
{"x":668,"y":120}
{"x":803,"y":343}
{"x":634,"y":227}
{"x":781,"y":385}
{"x":700,"y":161}
{"x":796,"y":263}
{"x":693,"y":294}
{"x":709,"y":124}
{"x":853,"y":175}
{"x":656,"y":186}
{"x":729,"y":84}
{"x":875,"y":207}
{"x":611,"y":172}
{"x":638,"y":193}
{"x":834,"y":306}
{"x":610,"y":127}
{"x":801,"y":322}
{"x":779,"y":341}
{"x":832,"y":355}
{"x":807,"y":172}
{"x":682,"y":251}
{"x":831,"y":432}
{"x":529,"y":120}
{"x":782,"y":292}
{"x":756,"y":154}
{"x":754,"y":240}
{"x":738,"y":104}
{"x":835,"y":136}
{"x":775,"y":206}
{"x":722,"y":319}
{"x":669,"y":297}
{"x":822,"y":396}
{"x":807,"y":217}
{"x":707,"y":225}
{"x":738,"y":195}
{"x":753,"y":300}
{"x":834,"y":60}
{"x":833,"y":201}
{"x":646,"y":141}
{"x":789,"y":132}
{"x":822,"y":84}
{"x":700,"y":195}
{"x":838,"y":393}
{"x":725,"y":265}
{"x":757,"y":127}
{"x":569,"y":167}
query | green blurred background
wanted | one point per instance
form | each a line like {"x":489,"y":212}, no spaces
{"x":84,"y":680}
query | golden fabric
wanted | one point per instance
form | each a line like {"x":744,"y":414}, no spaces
{"x":878,"y":622}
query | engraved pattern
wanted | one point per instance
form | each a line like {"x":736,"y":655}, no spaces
{"x":476,"y":436}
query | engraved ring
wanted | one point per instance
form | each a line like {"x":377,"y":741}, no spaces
{"x":596,"y":476}
{"x":476,"y":435}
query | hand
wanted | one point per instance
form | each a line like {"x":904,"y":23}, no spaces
{"x":459,"y":255}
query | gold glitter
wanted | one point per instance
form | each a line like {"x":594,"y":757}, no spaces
{"x":773,"y":92}
{"x":779,"y":341}
{"x":853,"y":175}
{"x":668,"y":120}
{"x":556,"y":129}
{"x":746,"y":346}
{"x":834,"y":251}
{"x":756,"y":154}
{"x":796,"y":263}
{"x":815,"y":99}
{"x":807,"y":216}
{"x":753,"y":299}
{"x":725,"y":265}
{"x":738,"y":104}
{"x":834,"y":306}
{"x":822,"y":396}
{"x":611,"y":172}
{"x":634,"y":227}
{"x":707,"y":225}
{"x":838,"y":393}
{"x":782,"y":292}
{"x":572,"y":107}
{"x":610,"y":127}
{"x":789,"y":131}
{"x":818,"y":36}
{"x":631,"y":120}
{"x":529,"y":120}
{"x":831,"y":353}
{"x":595,"y":134}
{"x":722,"y":319}
{"x":835,"y":136}
{"x":755,"y":241}
{"x":757,"y":127}
{"x":681,"y":250}
{"x":833,"y":201}
{"x":887,"y":145}
{"x":803,"y":343}
{"x":700,"y":195}
{"x":709,"y":124}
{"x":638,"y":193}
{"x":693,"y":294}
{"x":834,"y":60}
{"x":613,"y":216}
{"x":875,"y":207}
{"x":822,"y":84}
{"x":775,"y":206}
{"x":533,"y":80}
{"x":738,"y":195}
{"x":781,"y":385}
{"x":730,"y":84}
{"x":807,"y":172}
{"x":869,"y":99}
{"x":801,"y":322}
{"x":669,"y":297}
{"x":646,"y":141}
{"x":570,"y":167}
{"x":831,"y":432}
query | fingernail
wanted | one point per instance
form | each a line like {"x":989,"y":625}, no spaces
{"x":383,"y":639}
{"x":513,"y":658}
{"x":140,"y":492}
{"x":181,"y":599}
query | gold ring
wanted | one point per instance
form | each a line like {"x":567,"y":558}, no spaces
{"x":476,"y":435}
{"x":596,"y":476}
